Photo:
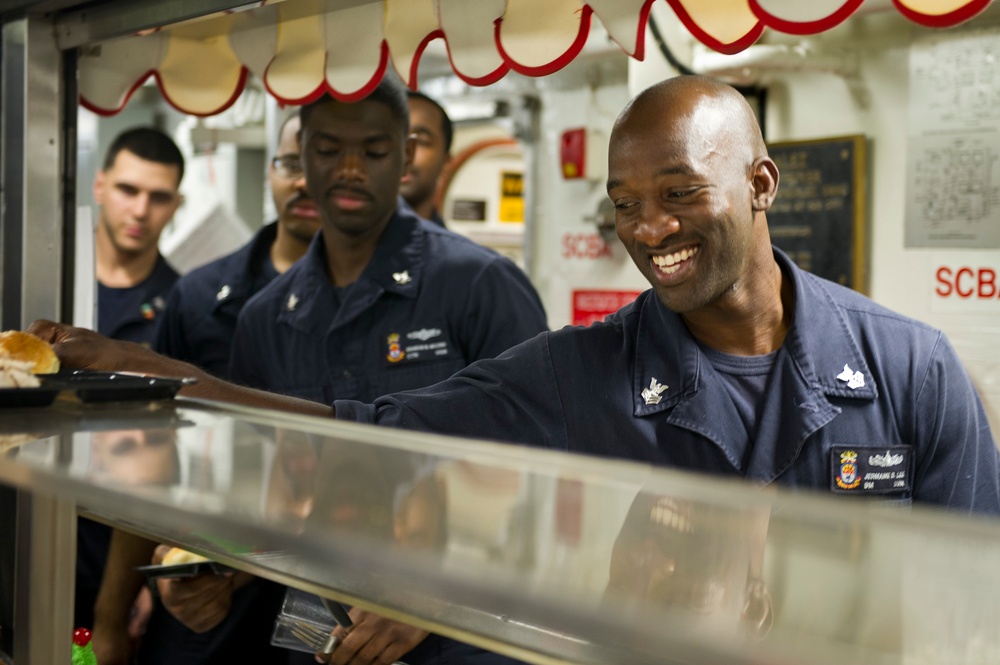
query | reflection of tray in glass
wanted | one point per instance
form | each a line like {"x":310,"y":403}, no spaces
{"x":92,"y":386}
{"x":17,"y":398}
{"x":184,"y":569}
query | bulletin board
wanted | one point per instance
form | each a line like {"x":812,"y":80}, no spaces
{"x":819,"y":215}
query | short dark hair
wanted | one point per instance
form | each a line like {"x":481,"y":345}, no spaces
{"x":389,"y":92}
{"x":146,"y":143}
{"x":447,"y":130}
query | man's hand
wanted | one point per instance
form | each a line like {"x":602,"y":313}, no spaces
{"x":142,"y":610}
{"x":79,"y":348}
{"x":202,"y":602}
{"x":373,"y":640}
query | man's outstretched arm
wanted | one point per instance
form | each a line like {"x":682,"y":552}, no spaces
{"x":79,"y":348}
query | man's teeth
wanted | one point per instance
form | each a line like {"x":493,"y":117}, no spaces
{"x":671,"y":262}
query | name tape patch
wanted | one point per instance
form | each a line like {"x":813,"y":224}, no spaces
{"x":871,"y":469}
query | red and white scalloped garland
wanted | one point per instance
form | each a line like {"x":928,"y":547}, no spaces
{"x":303,"y":48}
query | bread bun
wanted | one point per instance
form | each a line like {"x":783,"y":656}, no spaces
{"x":176,"y":556}
{"x":25,"y":347}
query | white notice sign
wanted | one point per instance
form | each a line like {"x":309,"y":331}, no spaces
{"x":953,"y":156}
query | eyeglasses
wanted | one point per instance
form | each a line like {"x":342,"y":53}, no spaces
{"x":287,"y":167}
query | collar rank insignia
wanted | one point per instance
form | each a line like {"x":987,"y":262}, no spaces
{"x":402,"y":277}
{"x":854,"y":380}
{"x":223,"y":293}
{"x":293,"y":302}
{"x":652,"y":394}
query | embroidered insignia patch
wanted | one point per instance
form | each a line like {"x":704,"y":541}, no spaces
{"x":848,"y":477}
{"x":396,"y":352}
{"x":870,"y":469}
{"x":424,"y":334}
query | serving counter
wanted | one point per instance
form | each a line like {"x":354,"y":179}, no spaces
{"x":545,"y":556}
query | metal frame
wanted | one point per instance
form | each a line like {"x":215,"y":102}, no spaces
{"x":33,"y":286}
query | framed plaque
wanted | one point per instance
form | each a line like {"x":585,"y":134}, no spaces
{"x":819,"y":215}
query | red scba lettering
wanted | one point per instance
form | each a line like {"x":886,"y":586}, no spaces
{"x":966,"y":282}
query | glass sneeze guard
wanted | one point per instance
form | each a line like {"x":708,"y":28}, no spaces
{"x":545,"y":556}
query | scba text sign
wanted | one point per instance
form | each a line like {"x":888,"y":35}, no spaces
{"x":969,"y":283}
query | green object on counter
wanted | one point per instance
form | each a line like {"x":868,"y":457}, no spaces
{"x":83,"y":653}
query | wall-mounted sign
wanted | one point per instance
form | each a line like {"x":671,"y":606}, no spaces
{"x":585,"y":246}
{"x":593,"y":306}
{"x":466,"y":210}
{"x":511,"y":197}
{"x":966,"y":282}
{"x":818,"y":216}
{"x":953,"y":151}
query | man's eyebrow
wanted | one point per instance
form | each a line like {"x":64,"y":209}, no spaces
{"x":337,"y":138}
{"x":124,"y":184}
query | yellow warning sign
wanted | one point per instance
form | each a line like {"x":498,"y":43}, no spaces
{"x":511,"y":197}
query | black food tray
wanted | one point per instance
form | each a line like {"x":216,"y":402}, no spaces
{"x":94,"y":387}
{"x":18,"y":398}
{"x":184,"y":569}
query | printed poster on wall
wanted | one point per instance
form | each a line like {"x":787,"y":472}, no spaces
{"x":953,"y":152}
{"x":511,"y":197}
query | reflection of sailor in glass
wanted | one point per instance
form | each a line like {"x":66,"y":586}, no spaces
{"x":420,"y":512}
{"x":356,"y":489}
{"x":291,"y":480}
{"x":135,"y":457}
{"x":693,"y":560}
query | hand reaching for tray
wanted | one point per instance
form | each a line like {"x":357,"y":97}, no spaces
{"x":79,"y":348}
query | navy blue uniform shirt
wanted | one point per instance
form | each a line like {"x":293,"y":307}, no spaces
{"x":134,"y":313}
{"x":861,"y":401}
{"x":429,"y":303}
{"x":203,"y":306}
